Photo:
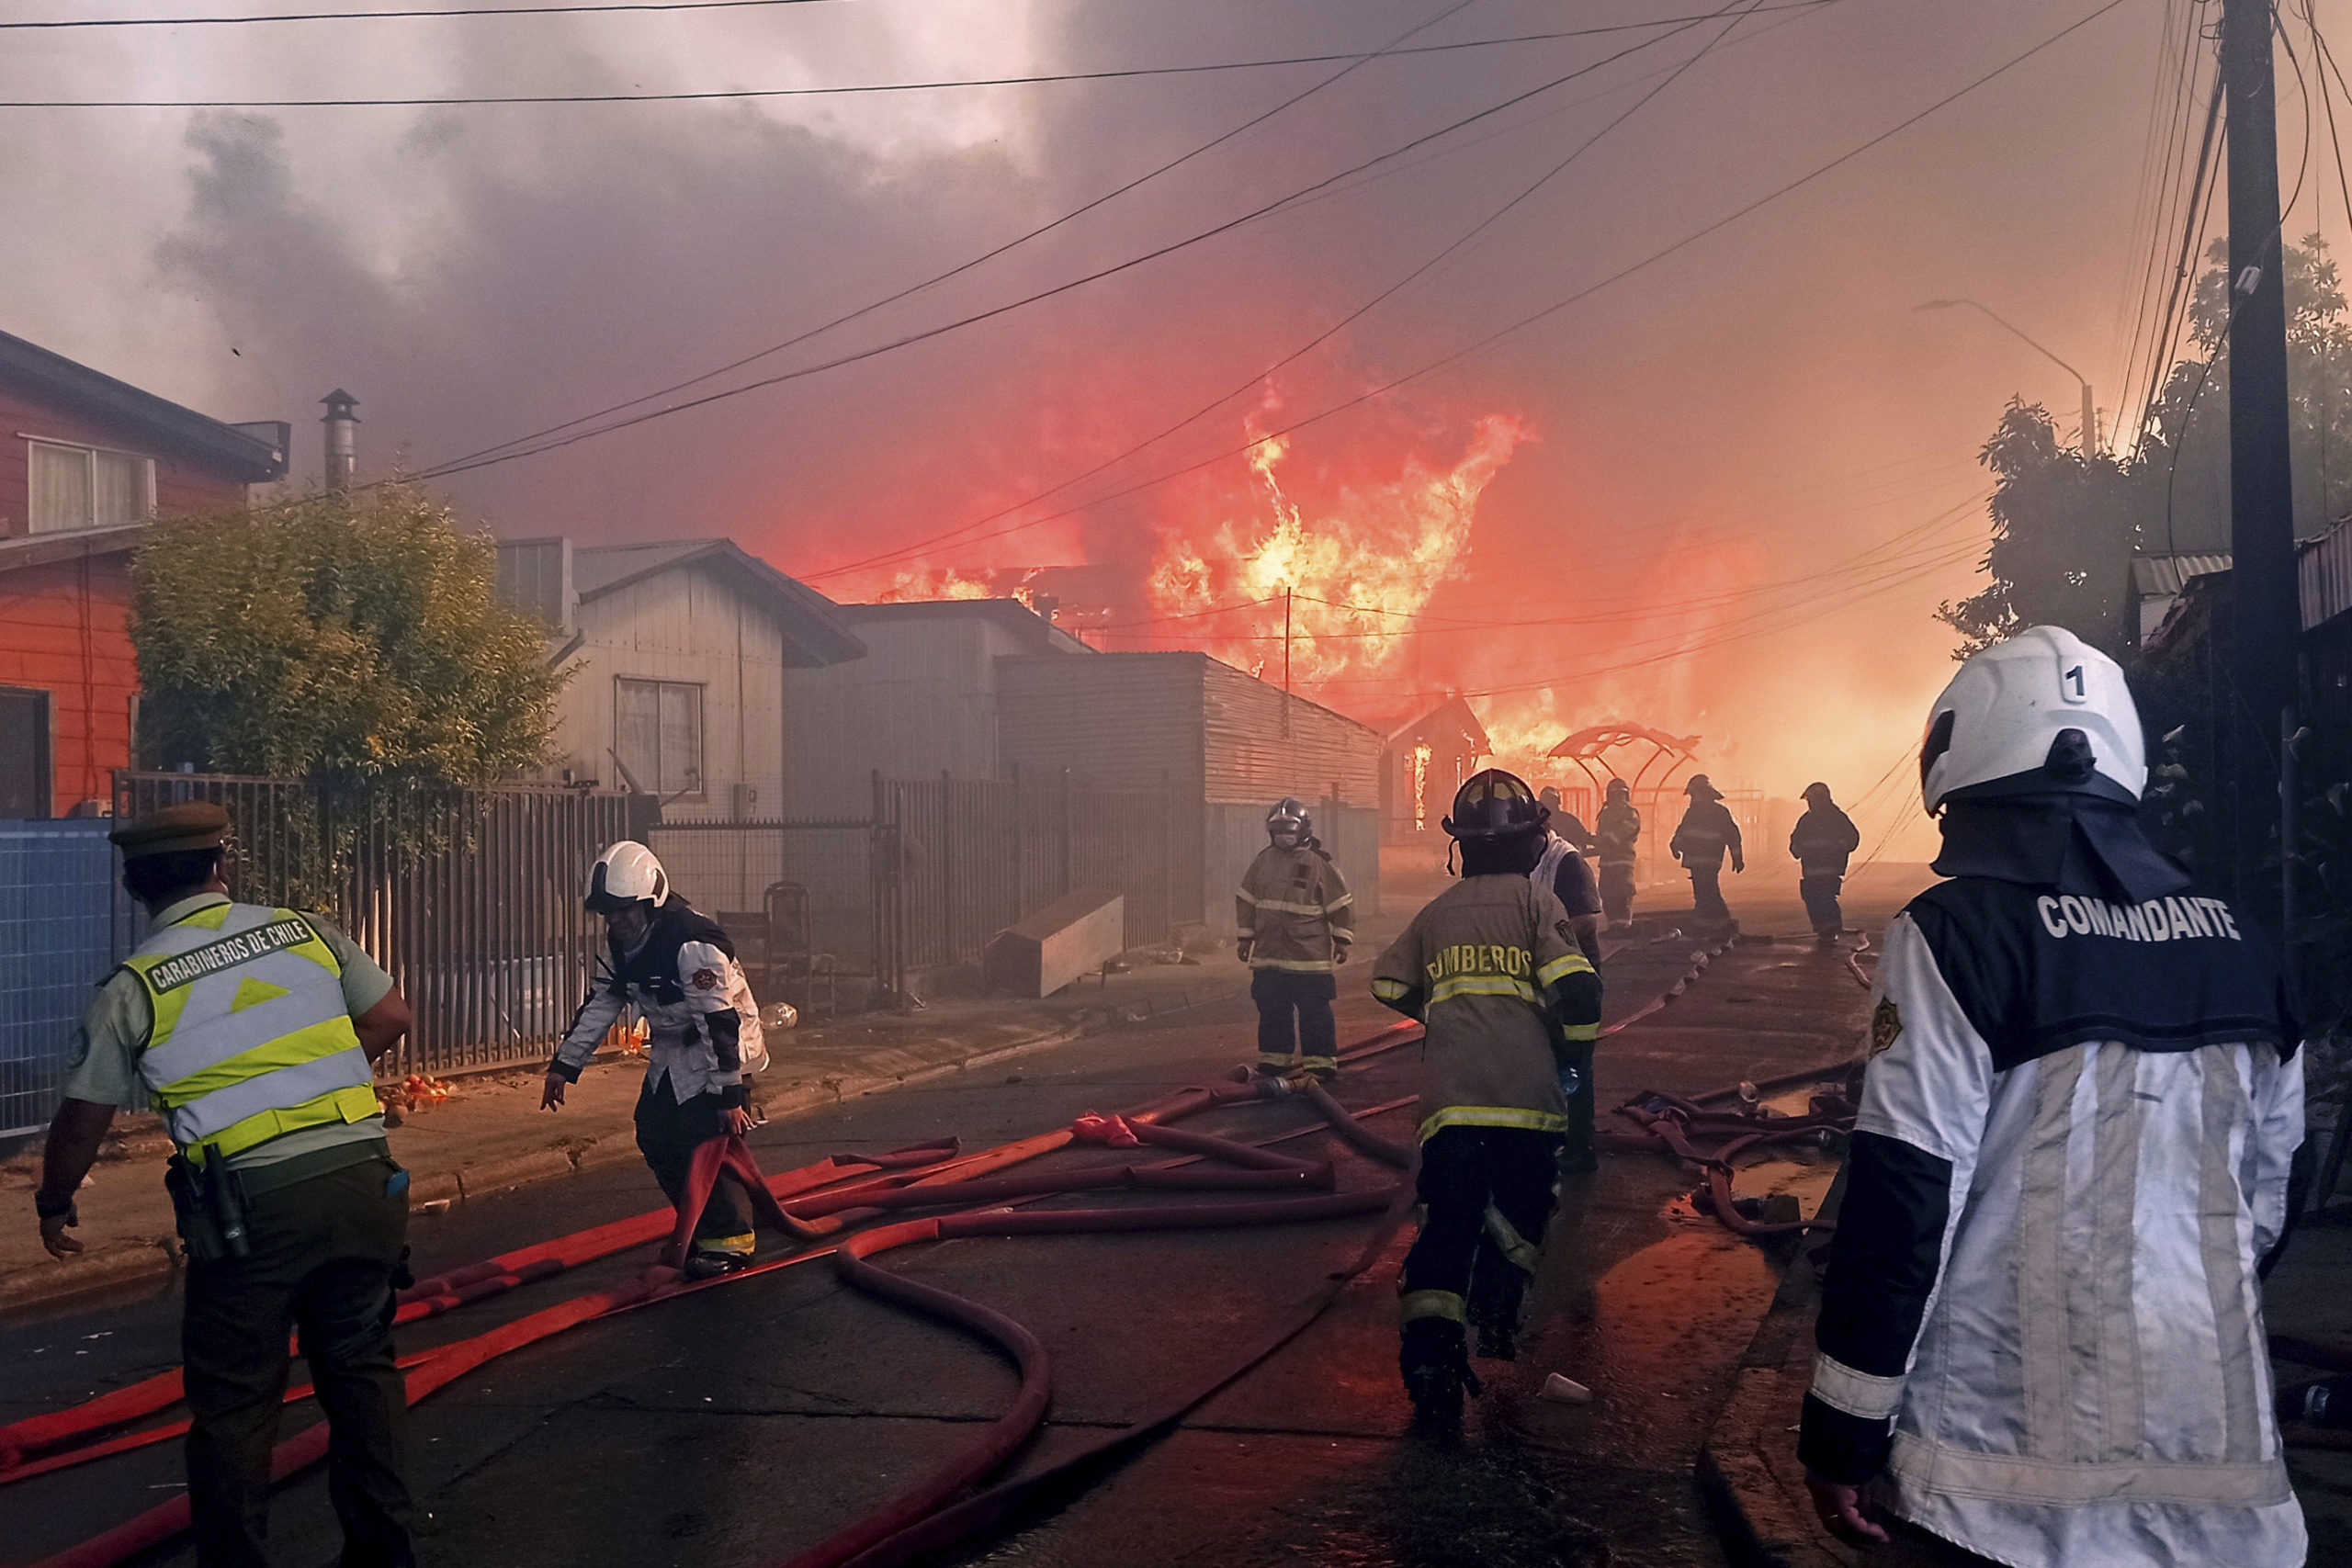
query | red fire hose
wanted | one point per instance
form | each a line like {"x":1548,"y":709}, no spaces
{"x":458,"y":1287}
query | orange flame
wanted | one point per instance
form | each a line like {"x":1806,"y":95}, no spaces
{"x":1356,"y":573}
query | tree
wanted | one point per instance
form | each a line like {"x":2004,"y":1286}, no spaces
{"x":353,"y":640}
{"x":2066,"y":523}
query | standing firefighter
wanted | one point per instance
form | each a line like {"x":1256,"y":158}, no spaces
{"x":1618,"y":833}
{"x":1491,"y":967}
{"x":1295,"y":919}
{"x":676,"y":966}
{"x":253,"y":1029}
{"x":1563,"y":824}
{"x":1706,"y":835}
{"x":1821,"y":842}
{"x":2041,"y":1326}
{"x":1561,"y":872}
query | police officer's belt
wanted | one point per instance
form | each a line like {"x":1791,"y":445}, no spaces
{"x":255,"y":1180}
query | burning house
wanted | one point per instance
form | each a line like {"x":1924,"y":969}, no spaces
{"x":1422,"y":765}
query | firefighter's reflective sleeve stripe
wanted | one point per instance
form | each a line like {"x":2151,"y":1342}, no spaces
{"x":1926,"y":1096}
{"x":1335,"y":904}
{"x":1389,"y":990}
{"x":1569,"y":964}
{"x":1580,"y":1032}
{"x":598,"y":1012}
{"x":1431,"y":1303}
{"x":1492,"y":1116}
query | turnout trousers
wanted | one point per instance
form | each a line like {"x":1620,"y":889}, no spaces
{"x":1617,"y":891}
{"x":326,"y":1254}
{"x":1820,"y":895}
{"x":1295,"y":1017}
{"x":1486,"y":1196}
{"x":1707,"y":895}
{"x":667,"y":1135}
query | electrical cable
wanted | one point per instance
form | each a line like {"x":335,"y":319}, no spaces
{"x":976,"y":318}
{"x":1260,"y":377}
{"x":2200,"y":195}
{"x":482,"y":456}
{"x":854,"y":89}
{"x":1521,"y":324}
{"x":574,"y":9}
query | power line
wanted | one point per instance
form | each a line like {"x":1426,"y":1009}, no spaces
{"x":992,"y":312}
{"x":503,"y":450}
{"x":61,"y":23}
{"x":1116,"y":73}
{"x":1524,"y":323}
{"x":1259,"y":376}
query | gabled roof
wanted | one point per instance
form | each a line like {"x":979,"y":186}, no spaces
{"x":182,"y":432}
{"x":1453,"y":721}
{"x":1040,"y":634}
{"x":812,"y":622}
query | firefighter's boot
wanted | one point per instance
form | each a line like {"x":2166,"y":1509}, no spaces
{"x":1435,"y":1360}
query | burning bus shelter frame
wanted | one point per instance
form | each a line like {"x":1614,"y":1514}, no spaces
{"x":1655,"y":759}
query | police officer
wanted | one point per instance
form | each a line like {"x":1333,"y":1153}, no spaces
{"x":1491,"y":968}
{"x":251,"y":1030}
{"x":1821,"y":842}
{"x":1617,"y":836}
{"x":1707,"y":833}
{"x":2040,"y":1329}
{"x":677,"y":968}
{"x":1294,"y":919}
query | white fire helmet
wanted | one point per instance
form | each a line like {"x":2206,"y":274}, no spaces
{"x":2003,"y":717}
{"x":627,"y":874}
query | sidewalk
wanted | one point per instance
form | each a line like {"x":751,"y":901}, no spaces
{"x":491,"y":1135}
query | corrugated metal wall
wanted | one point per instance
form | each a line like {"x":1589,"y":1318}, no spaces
{"x":1121,"y":721}
{"x":1350,"y":835}
{"x":920,"y":702}
{"x":1262,"y":743}
{"x":1217,"y":736}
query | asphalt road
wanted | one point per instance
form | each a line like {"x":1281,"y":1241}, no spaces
{"x":741,"y":1424}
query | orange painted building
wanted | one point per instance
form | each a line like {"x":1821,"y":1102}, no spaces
{"x":87,"y":465}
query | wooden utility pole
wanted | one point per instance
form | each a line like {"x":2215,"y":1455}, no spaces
{"x":2265,"y":614}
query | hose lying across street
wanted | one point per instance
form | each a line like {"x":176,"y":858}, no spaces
{"x":819,"y":1203}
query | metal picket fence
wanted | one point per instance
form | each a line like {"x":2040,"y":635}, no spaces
{"x":480,"y":927}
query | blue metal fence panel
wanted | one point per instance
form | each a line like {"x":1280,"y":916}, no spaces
{"x":61,"y":928}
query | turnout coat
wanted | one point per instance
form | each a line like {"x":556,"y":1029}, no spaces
{"x":2041,"y":1317}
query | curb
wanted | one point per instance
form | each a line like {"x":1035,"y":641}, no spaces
{"x":1747,"y":1470}
{"x":121,"y":1269}
{"x":117,"y":1268}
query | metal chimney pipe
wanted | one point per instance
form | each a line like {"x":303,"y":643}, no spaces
{"x":342,"y":440}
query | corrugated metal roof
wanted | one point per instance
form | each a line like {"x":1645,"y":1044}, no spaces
{"x":2324,"y":575}
{"x":2159,"y":576}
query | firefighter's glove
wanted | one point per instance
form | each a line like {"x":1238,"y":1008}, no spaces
{"x":1241,"y":949}
{"x":1339,"y":952}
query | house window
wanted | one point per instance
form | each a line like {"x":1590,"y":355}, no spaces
{"x":657,"y":730}
{"x":24,"y":753}
{"x":88,"y":487}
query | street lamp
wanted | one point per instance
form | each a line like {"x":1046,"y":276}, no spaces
{"x":2090,"y":408}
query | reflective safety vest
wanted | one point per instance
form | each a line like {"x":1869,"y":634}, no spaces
{"x":251,"y":1036}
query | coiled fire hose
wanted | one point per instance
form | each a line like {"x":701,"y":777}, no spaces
{"x":934,"y":1168}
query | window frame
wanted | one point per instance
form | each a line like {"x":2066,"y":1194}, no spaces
{"x":699,"y":763}
{"x":44,"y":770}
{"x":90,"y":454}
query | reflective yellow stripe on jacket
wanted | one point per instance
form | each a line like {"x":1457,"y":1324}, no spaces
{"x":251,"y":1036}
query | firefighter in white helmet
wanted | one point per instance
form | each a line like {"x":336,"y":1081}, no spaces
{"x":676,"y":966}
{"x":2041,"y":1335}
{"x":1294,"y":919}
